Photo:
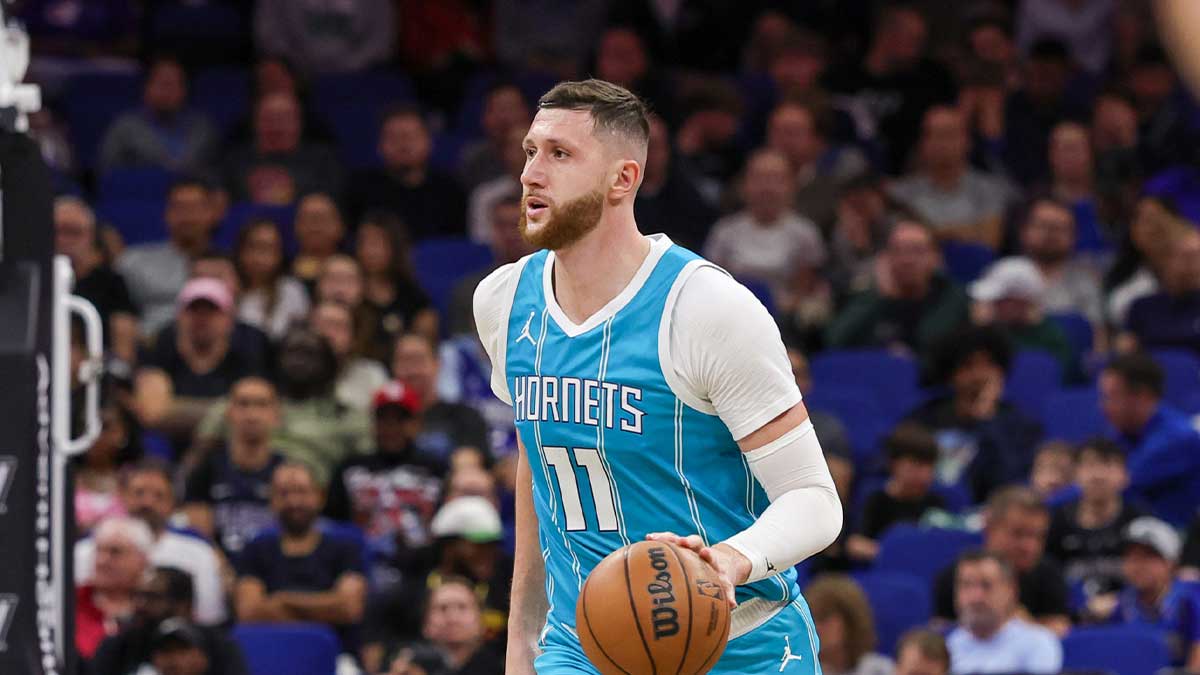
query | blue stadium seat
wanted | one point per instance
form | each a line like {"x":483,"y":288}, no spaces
{"x":138,"y":220}
{"x":353,"y":105}
{"x":1072,"y":415}
{"x":1182,"y":370}
{"x":294,"y":648}
{"x":1032,"y":376}
{"x":761,"y":290}
{"x":241,"y":213}
{"x":1125,"y":650}
{"x":899,"y":602}
{"x":223,"y":94}
{"x":135,"y":183}
{"x":1078,"y":330}
{"x":858,"y":409}
{"x":441,"y":263}
{"x":92,"y":102}
{"x":893,"y":378}
{"x":966,"y":262}
{"x":922,"y":552}
{"x":447,"y":150}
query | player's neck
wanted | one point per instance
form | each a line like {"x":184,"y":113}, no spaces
{"x":591,"y":272}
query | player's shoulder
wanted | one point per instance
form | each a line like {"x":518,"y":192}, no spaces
{"x":494,"y":294}
{"x":711,"y":295}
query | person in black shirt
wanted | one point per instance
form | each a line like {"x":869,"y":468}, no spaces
{"x":906,"y":496}
{"x":669,"y":200}
{"x":431,"y":203}
{"x":226,"y":497}
{"x":161,"y":603}
{"x":196,"y":361}
{"x":391,"y":494}
{"x":1085,"y":534}
{"x":1016,"y":523}
{"x":447,"y":429}
{"x":301,"y":572}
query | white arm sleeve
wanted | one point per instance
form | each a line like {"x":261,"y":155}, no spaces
{"x":492,"y":304}
{"x":728,"y":359}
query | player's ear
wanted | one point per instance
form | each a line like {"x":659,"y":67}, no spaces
{"x":625,"y":179}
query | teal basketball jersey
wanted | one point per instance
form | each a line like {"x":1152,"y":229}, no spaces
{"x":614,"y":452}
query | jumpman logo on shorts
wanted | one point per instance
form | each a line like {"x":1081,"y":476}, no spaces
{"x":525,"y":335}
{"x":788,"y":657}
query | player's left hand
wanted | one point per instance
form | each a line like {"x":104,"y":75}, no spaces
{"x":732,"y":567}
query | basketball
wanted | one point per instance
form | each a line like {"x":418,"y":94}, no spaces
{"x":652,"y":607}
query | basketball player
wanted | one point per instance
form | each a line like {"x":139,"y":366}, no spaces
{"x":653,"y":396}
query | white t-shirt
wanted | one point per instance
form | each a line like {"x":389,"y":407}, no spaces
{"x":183,"y":552}
{"x":768,"y":253}
{"x":291,"y":307}
{"x":727,"y":357}
{"x":1018,"y":647}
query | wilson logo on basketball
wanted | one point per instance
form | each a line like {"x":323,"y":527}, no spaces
{"x":664,"y":616}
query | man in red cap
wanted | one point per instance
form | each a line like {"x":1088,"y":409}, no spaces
{"x":392,"y":493}
{"x":181,"y":377}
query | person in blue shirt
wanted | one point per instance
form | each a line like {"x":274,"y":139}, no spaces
{"x":1152,"y":596}
{"x":1163,"y":449}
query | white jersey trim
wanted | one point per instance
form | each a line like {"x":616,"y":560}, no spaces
{"x":670,"y":374}
{"x":498,"y":289}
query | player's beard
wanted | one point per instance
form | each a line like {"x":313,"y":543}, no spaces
{"x":564,"y":224}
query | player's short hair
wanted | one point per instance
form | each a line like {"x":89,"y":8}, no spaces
{"x":841,"y":595}
{"x":1013,"y":498}
{"x":613,"y":108}
{"x":913,"y":441}
{"x":1139,"y":372}
{"x":928,"y":643}
{"x":1102,"y":449}
{"x":978,"y":555}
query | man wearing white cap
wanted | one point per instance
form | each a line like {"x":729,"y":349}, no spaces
{"x":1009,"y":295}
{"x":179,"y":378}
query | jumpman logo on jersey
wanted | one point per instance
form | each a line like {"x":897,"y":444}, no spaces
{"x":525,"y":335}
{"x":787,"y":654}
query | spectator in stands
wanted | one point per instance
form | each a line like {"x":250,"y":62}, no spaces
{"x":467,"y":533}
{"x":279,"y":164}
{"x":833,"y":434}
{"x":1053,"y":469}
{"x":319,"y":232}
{"x":1009,"y":297}
{"x":427,"y":200}
{"x":483,"y":198}
{"x":545,"y":36}
{"x":768,"y":241}
{"x":96,"y":472}
{"x":341,"y":280}
{"x":1084,"y":25}
{"x":621,"y":58}
{"x":178,"y":648}
{"x":1085,"y":533}
{"x":991,"y":637}
{"x":454,"y":624}
{"x":226,"y":495}
{"x":1162,"y":447}
{"x":669,"y":200}
{"x":1152,"y":597}
{"x":391,"y":290}
{"x":1164,"y":135}
{"x":271,"y":300}
{"x":1170,"y":318}
{"x":214,"y":264}
{"x":447,"y":429}
{"x":301,"y":572}
{"x":358,"y":377}
{"x":798,"y":63}
{"x":164,"y":133}
{"x":147,"y":494}
{"x":846,"y":627}
{"x":162,"y":607}
{"x":194,"y":362}
{"x":1069,"y":284}
{"x":959,"y":202}
{"x":890,"y":89}
{"x":989,"y":39}
{"x":911,"y":304}
{"x":1114,"y":134}
{"x":75,"y":236}
{"x":316,"y":428}
{"x":324,"y":38}
{"x":1015,"y":526}
{"x":508,"y":246}
{"x":922,"y":652}
{"x":906,"y":497}
{"x":860,"y":231}
{"x":706,"y":142}
{"x":392,"y":493}
{"x":156,"y":272}
{"x":105,"y":596}
{"x":1073,"y":184}
{"x":801,"y":129}
{"x":1137,"y":272}
{"x":504,"y":108}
